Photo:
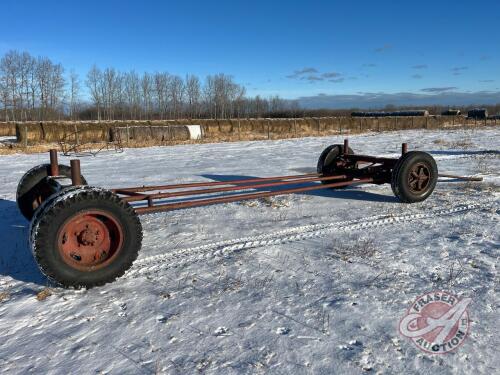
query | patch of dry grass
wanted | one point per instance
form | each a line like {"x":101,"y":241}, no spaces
{"x":4,"y":296}
{"x":363,"y":249}
{"x":44,"y":294}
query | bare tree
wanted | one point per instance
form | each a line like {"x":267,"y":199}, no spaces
{"x":9,"y":70}
{"x":176,"y":95}
{"x":111,"y":91}
{"x":74,"y":94}
{"x":161,"y":83}
{"x":147,"y":94}
{"x":94,"y":77}
{"x":4,"y":97}
{"x":193,"y":95}
{"x":132,"y":93}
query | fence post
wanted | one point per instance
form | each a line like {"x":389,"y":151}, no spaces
{"x":239,"y":129}
{"x":268,"y":129}
{"x":319,"y":126}
{"x":295,"y":127}
{"x":26,"y":136}
{"x":128,"y":135}
{"x":77,"y":138}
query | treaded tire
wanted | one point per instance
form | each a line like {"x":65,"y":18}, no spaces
{"x":40,"y":210}
{"x":32,"y":189}
{"x":401,"y":176}
{"x":62,"y":208}
{"x":325,"y":165}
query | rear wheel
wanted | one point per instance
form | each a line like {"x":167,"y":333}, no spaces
{"x":33,"y":188}
{"x":86,"y":237}
{"x":414,"y":177}
{"x":328,"y":163}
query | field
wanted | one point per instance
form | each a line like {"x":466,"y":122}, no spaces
{"x":308,"y":283}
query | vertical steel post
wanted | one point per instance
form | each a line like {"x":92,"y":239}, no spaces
{"x":346,"y":147}
{"x":404,"y":148}
{"x":54,"y":164}
{"x":76,"y":174}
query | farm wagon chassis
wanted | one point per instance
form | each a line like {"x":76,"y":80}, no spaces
{"x":83,"y":236}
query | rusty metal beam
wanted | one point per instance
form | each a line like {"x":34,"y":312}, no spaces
{"x":138,"y":197}
{"x":241,"y":197}
{"x":210,"y":183}
{"x":125,"y":192}
{"x":465,"y":178}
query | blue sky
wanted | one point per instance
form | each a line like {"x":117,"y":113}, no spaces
{"x":290,"y":48}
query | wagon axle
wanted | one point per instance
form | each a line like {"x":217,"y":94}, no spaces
{"x":84,"y":236}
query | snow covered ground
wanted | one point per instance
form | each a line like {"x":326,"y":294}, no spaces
{"x":309,"y":283}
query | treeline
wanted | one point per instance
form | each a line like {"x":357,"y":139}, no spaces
{"x":36,"y":88}
{"x":160,"y":95}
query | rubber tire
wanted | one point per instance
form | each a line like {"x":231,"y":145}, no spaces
{"x":66,"y":204}
{"x":399,"y":178}
{"x":328,"y":155}
{"x":31,"y":185}
{"x":40,"y":210}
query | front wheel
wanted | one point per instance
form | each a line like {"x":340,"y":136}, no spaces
{"x":414,"y":177}
{"x":86,"y":237}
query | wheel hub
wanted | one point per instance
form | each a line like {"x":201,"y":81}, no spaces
{"x":90,"y":240}
{"x":88,"y":237}
{"x":419,"y":178}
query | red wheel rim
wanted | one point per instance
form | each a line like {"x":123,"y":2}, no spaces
{"x":90,"y":240}
{"x":419,"y":178}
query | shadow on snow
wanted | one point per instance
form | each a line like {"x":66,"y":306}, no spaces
{"x":16,"y":259}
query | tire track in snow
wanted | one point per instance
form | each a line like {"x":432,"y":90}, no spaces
{"x":176,"y":258}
